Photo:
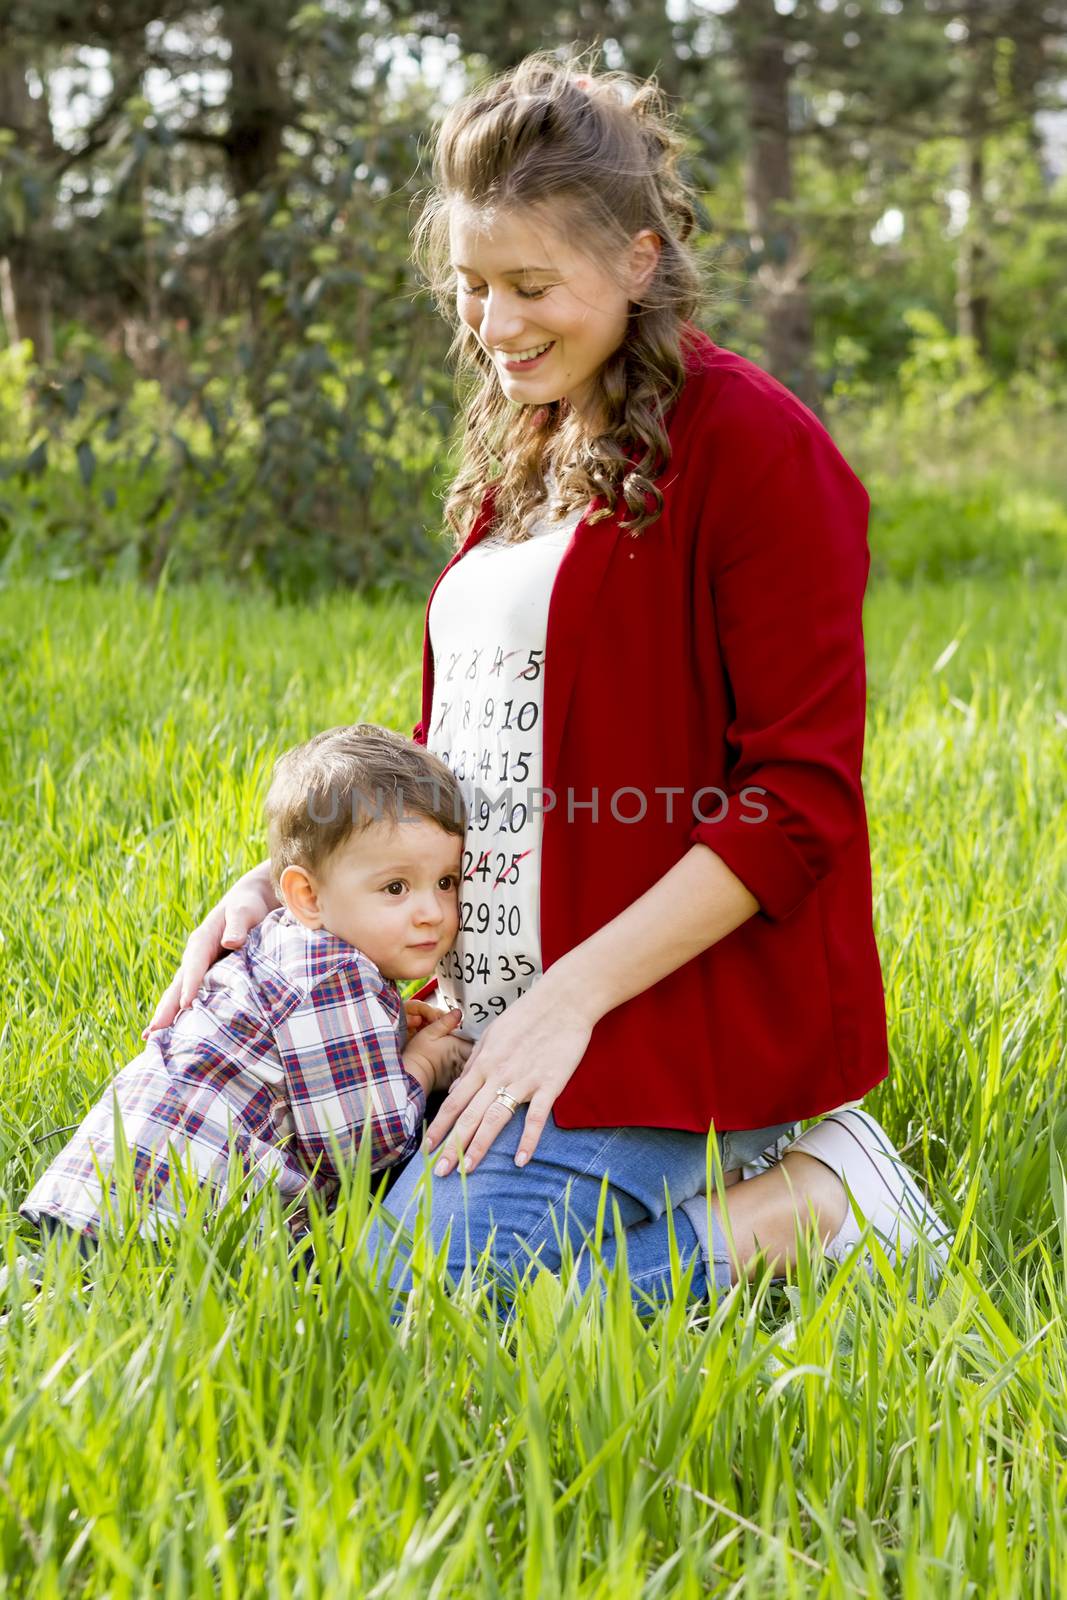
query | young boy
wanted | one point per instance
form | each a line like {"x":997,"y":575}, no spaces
{"x":296,"y":1045}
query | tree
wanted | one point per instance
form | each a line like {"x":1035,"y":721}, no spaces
{"x":782,"y":264}
{"x":221,"y":232}
{"x":25,"y":207}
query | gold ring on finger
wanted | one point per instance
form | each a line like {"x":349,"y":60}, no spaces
{"x":508,"y":1099}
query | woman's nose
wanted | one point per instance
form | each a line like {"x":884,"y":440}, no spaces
{"x":501,"y":324}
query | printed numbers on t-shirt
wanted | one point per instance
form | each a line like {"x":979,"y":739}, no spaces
{"x":535,"y":660}
{"x":508,"y":921}
{"x":524,"y":719}
{"x":474,"y":918}
{"x":459,"y":764}
{"x":455,"y":656}
{"x":497,"y":1003}
{"x":512,"y":821}
{"x":472,"y":869}
{"x":507,"y":971}
{"x":466,"y":967}
{"x":521,"y":760}
{"x":498,"y":661}
{"x":514,"y":768}
{"x":505,"y":872}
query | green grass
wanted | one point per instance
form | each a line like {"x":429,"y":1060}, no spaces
{"x":206,"y":1424}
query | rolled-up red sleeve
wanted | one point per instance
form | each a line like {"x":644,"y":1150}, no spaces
{"x":788,"y":583}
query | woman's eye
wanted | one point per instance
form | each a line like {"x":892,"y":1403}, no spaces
{"x":525,"y":294}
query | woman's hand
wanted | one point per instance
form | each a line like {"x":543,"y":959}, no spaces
{"x":224,"y":928}
{"x":532,"y":1050}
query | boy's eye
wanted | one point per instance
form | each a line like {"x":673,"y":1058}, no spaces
{"x":525,"y":294}
{"x":449,"y":881}
{"x":396,"y":884}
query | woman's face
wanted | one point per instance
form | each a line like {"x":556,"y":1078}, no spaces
{"x":520,"y":286}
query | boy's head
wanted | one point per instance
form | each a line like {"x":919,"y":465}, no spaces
{"x":366,"y":835}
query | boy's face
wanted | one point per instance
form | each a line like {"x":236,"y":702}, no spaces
{"x":392,"y":890}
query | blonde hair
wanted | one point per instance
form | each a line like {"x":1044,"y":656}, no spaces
{"x":599,"y":151}
{"x":343,"y":780}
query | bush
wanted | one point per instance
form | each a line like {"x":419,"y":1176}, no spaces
{"x":993,"y":526}
{"x":336,"y":479}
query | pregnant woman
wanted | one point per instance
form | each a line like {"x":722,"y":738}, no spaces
{"x":645,"y":665}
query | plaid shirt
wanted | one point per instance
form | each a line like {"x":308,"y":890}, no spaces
{"x":293,"y":1042}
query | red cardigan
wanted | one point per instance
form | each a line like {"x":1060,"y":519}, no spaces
{"x":720,"y":650}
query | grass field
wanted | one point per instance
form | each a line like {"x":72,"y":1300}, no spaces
{"x":207,"y":1424}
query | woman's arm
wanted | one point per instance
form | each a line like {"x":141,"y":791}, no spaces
{"x":533,"y":1048}
{"x":224,"y":928}
{"x":694,"y":905}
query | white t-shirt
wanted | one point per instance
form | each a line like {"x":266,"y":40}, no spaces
{"x":487,"y":623}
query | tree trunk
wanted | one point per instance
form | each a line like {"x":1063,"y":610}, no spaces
{"x":27,"y":298}
{"x":972,"y":300}
{"x":979,"y":105}
{"x":765,"y":71}
{"x":258,"y":105}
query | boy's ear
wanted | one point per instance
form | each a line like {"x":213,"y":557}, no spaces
{"x":298,"y":890}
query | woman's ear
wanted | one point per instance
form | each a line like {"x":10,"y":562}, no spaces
{"x":298,"y":890}
{"x":644,"y":259}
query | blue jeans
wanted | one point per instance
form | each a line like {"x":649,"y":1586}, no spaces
{"x":557,"y":1196}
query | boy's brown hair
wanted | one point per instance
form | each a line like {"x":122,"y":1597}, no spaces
{"x":346,"y":778}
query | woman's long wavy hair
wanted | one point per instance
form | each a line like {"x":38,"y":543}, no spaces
{"x":597,"y":154}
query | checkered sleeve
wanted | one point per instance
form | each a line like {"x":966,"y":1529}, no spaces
{"x":346,"y":1081}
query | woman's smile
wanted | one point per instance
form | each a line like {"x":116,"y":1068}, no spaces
{"x":523,"y":361}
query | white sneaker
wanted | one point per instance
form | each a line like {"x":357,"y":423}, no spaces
{"x":767,"y":1158}
{"x":858,"y":1149}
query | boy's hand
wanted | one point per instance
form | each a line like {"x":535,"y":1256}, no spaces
{"x":432,"y":1056}
{"x":452,"y":1060}
{"x":419,"y":1012}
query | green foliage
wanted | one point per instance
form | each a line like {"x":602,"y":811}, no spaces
{"x":202,"y":1421}
{"x":248,"y":381}
{"x":329,"y":481}
{"x":996,"y":526}
{"x":942,"y":372}
{"x":966,"y":473}
{"x":279,"y":410}
{"x":16,"y":412}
